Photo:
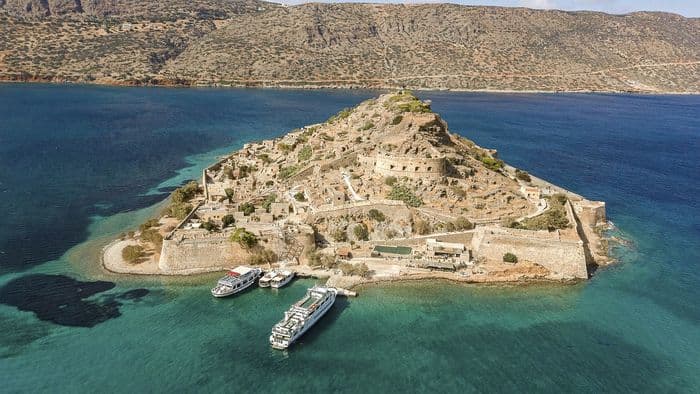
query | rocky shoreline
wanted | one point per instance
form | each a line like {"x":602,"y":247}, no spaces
{"x":381,"y":87}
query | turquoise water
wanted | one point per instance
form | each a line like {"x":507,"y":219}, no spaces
{"x":79,"y":165}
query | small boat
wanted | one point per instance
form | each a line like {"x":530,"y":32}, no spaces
{"x":281,"y":279}
{"x":267,"y":278}
{"x":236,"y":280}
{"x":302,"y":316}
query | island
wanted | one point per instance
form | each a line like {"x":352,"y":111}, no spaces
{"x":380,"y":192}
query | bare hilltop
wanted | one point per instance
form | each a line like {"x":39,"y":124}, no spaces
{"x":426,"y":46}
{"x":382,"y":191}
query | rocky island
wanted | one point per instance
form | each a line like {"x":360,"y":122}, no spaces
{"x":383,"y":191}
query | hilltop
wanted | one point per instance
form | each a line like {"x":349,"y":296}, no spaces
{"x":426,"y":46}
{"x":380,"y":191}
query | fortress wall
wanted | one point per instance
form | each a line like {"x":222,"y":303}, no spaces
{"x":345,"y":161}
{"x":396,"y":210}
{"x":412,"y":167}
{"x":303,"y":173}
{"x":590,"y":212}
{"x":463,"y":237}
{"x":564,"y":259}
{"x":199,"y":255}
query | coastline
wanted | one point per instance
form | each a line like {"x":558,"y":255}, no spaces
{"x":272,"y":86}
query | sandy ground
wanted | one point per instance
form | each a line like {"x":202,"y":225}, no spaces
{"x":112,"y":260}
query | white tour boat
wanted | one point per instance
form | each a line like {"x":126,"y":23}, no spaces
{"x":282,"y":278}
{"x":236,"y":280}
{"x":302,"y":316}
{"x":267,"y":278}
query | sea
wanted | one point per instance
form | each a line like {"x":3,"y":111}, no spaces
{"x":80,"y":165}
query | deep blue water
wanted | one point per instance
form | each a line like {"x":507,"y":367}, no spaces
{"x":79,"y":164}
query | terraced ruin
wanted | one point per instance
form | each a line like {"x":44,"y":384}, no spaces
{"x":380,"y":191}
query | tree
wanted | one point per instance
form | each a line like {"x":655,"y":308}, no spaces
{"x":227,"y":220}
{"x":210,"y":226}
{"x":185,"y":193}
{"x":246,"y":239}
{"x":361,"y":232}
{"x":132,"y":253}
{"x":229,"y":194}
{"x":376,"y":215}
{"x":299,"y":196}
{"x":247,"y":208}
{"x":510,"y":258}
{"x":268,"y":201}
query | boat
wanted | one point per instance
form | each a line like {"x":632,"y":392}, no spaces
{"x":282,"y":278}
{"x":236,"y":280}
{"x":265,"y":280}
{"x":302,"y":316}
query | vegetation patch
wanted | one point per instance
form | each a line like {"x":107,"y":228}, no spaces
{"x":552,"y":219}
{"x":523,"y":175}
{"x":287,"y":172}
{"x":132,"y":253}
{"x":510,"y":258}
{"x":305,"y":153}
{"x":246,"y":239}
{"x":403,"y":193}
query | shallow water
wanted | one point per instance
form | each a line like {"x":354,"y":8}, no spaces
{"x":79,"y":165}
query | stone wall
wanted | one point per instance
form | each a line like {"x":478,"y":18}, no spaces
{"x":396,"y":210}
{"x":184,"y":256}
{"x":412,"y":167}
{"x":563,"y":258}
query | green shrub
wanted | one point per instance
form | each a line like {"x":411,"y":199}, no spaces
{"x":153,"y":236}
{"x":265,"y":158}
{"x":376,"y":215}
{"x":268,"y":201}
{"x":179,"y":210}
{"x":343,"y":114}
{"x":262,"y":255}
{"x":285,"y":148}
{"x":402,"y":193}
{"x":361,"y":232}
{"x":229,"y":194}
{"x":228,"y":220}
{"x":287,"y":172}
{"x":305,"y":153}
{"x":552,"y":219}
{"x":462,"y":223}
{"x":523,"y":176}
{"x":246,"y":239}
{"x":339,"y":235}
{"x":210,"y":226}
{"x":390,"y":180}
{"x":132,"y":253}
{"x":247,"y":208}
{"x":397,"y":119}
{"x":510,"y":258}
{"x":185,"y":193}
{"x":367,"y":126}
{"x":148,"y":224}
{"x":491,"y":163}
{"x":299,"y":196}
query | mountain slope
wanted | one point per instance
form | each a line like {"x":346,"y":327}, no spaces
{"x":368,"y":45}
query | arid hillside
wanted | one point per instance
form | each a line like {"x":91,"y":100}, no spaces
{"x":433,"y":46}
